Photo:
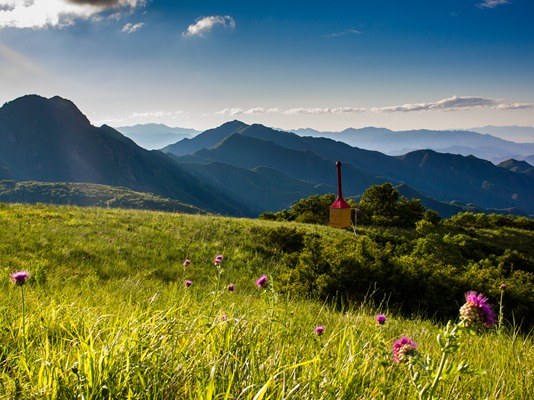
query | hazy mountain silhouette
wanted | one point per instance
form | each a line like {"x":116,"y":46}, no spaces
{"x":462,"y":142}
{"x":155,"y":136}
{"x":524,"y":134}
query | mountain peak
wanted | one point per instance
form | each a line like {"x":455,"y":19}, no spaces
{"x":32,"y":108}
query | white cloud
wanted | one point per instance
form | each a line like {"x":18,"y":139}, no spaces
{"x":492,"y":3}
{"x":262,"y":110}
{"x":454,"y":103}
{"x":130,"y":28}
{"x":206,"y":24}
{"x":40,"y":14}
{"x":230,"y":111}
{"x":156,"y":114}
{"x":250,"y":111}
{"x":343,"y":33}
{"x":336,"y":110}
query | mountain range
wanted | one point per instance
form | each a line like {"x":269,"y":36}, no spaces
{"x":243,"y":170}
{"x":481,"y":145}
{"x":445,"y":177}
{"x":155,"y":136}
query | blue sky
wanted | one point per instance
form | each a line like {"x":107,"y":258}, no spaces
{"x":327,"y":65}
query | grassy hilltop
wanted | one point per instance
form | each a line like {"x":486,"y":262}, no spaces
{"x":108,"y":314}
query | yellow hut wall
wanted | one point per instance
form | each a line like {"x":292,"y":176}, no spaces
{"x":340,"y":218}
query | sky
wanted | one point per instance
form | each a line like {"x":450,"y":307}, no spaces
{"x":326,"y":65}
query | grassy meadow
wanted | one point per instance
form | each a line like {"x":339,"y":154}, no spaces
{"x":107,"y":314}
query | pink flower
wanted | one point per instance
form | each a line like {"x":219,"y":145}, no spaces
{"x":188,"y":283}
{"x":231,"y":287}
{"x":262,"y":281}
{"x":319,"y":330}
{"x":381,"y":319}
{"x":403,"y":349}
{"x":503,"y":286}
{"x":19,"y":278}
{"x":477,"y":311}
{"x":187,"y":262}
{"x":218,"y":259}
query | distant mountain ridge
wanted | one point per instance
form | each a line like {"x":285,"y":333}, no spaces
{"x":522,"y":134}
{"x":155,"y":136}
{"x":460,"y":142}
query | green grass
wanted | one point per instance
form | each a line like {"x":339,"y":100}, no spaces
{"x":108,"y":316}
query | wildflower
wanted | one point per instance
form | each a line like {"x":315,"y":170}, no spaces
{"x":476,"y":311}
{"x":503,"y":286}
{"x":218,"y":259}
{"x":187,"y":262}
{"x":231,"y":287}
{"x":262,"y":281}
{"x":188,"y":283}
{"x":403,"y":349}
{"x":319,"y":330}
{"x":19,"y":278}
{"x":223,"y":317}
{"x":381,"y":319}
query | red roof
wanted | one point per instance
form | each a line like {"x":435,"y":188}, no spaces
{"x":340,"y":203}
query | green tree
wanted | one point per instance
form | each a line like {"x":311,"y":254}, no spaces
{"x":379,"y":202}
{"x":382,"y":205}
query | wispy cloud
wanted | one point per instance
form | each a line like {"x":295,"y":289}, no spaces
{"x":492,"y":3}
{"x":156,"y":114}
{"x":342,"y":33}
{"x":454,"y":103}
{"x":131,"y":28}
{"x":40,"y":14}
{"x":204,"y":25}
{"x":255,"y":110}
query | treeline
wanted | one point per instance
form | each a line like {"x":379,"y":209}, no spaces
{"x":408,"y":257}
{"x":380,"y":205}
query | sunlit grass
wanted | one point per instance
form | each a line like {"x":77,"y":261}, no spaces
{"x":108,"y":316}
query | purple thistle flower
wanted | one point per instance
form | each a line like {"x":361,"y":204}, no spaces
{"x":187,"y":262}
{"x":319,"y":330}
{"x":381,"y":319}
{"x":262,"y":281}
{"x":188,"y":283}
{"x":19,"y":278}
{"x":477,"y":311}
{"x":231,"y":287}
{"x":403,"y":349}
{"x":218,"y":259}
{"x":503,"y":286}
